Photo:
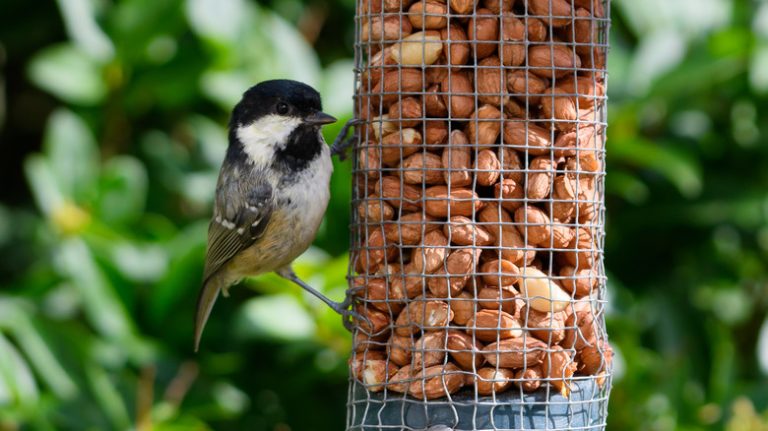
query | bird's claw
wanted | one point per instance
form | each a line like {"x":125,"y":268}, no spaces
{"x":349,"y":316}
{"x":351,"y":320}
{"x":342,"y":143}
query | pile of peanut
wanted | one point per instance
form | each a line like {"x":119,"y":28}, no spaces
{"x":477,"y":185}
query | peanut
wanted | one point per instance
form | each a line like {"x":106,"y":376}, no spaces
{"x":484,"y":26}
{"x":422,"y":168}
{"x":491,"y":82}
{"x":491,"y":381}
{"x":484,"y":127}
{"x":456,"y":160}
{"x":429,"y":14}
{"x":464,"y":351}
{"x":436,"y":381}
{"x":406,"y":111}
{"x":459,"y":201}
{"x":544,"y":295}
{"x":457,"y":94}
{"x":515,"y":352}
{"x":492,"y":325}
{"x":463,"y":231}
{"x":418,"y":49}
{"x":488,"y":168}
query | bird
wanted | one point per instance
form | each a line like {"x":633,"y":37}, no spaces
{"x":272,"y":191}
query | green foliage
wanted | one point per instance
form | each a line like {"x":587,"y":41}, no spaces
{"x":104,"y":258}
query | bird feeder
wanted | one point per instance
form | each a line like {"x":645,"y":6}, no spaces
{"x":478,"y":216}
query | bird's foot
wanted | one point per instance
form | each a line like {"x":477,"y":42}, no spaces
{"x":350,"y":317}
{"x":342,"y":143}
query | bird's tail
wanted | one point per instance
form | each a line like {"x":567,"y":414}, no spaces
{"x":205,"y":300}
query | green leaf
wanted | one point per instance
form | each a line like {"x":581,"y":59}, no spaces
{"x":147,"y":30}
{"x":44,"y":361}
{"x":682,"y":170}
{"x":627,"y":186}
{"x":231,"y":399}
{"x":68,"y":73}
{"x":338,"y":87}
{"x":15,"y":375}
{"x":102,"y":306}
{"x":42,"y":181}
{"x":293,"y":57}
{"x":225,"y":87}
{"x":211,"y":139}
{"x":187,"y":251}
{"x":758,"y":68}
{"x":141,"y":263}
{"x":268,"y":48}
{"x":107,"y":397}
{"x":80,"y":22}
{"x":73,"y":154}
{"x":123,"y":190}
{"x":762,"y":348}
{"x":217,"y":20}
{"x":279,"y":317}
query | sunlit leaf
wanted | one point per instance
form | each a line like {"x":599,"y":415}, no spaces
{"x":279,"y":317}
{"x":17,"y":321}
{"x":102,"y":305}
{"x":230,"y":398}
{"x":656,"y":54}
{"x":628,"y":187}
{"x":762,"y":348}
{"x":80,"y":22}
{"x":211,"y":138}
{"x":728,"y":303}
{"x":758,"y":68}
{"x":140,"y":263}
{"x":42,"y":181}
{"x":337,"y":88}
{"x":15,"y":375}
{"x":688,"y":17}
{"x":295,"y":57}
{"x":199,"y":187}
{"x":69,"y":73}
{"x":269,"y":48}
{"x":73,"y":155}
{"x":678,"y":168}
{"x":225,"y":87}
{"x":219,"y":20}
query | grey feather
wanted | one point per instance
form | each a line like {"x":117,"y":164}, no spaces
{"x":242,"y":212}
{"x":243,"y":208}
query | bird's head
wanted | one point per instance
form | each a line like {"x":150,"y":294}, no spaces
{"x":270,"y":112}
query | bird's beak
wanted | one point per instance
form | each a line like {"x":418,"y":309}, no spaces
{"x":319,"y":119}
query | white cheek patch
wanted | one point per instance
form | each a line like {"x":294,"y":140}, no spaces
{"x":261,"y":138}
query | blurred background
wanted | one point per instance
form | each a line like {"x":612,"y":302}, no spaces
{"x":112,"y":116}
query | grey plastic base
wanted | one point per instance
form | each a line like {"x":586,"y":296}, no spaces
{"x":541,"y":410}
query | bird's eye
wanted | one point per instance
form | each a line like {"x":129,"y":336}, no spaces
{"x":282,"y":108}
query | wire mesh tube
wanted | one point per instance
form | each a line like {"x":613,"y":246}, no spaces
{"x":478,"y":216}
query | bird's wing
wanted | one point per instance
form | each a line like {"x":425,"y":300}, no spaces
{"x":242,"y":212}
{"x":240,"y":216}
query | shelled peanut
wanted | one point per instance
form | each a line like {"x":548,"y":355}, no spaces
{"x":478,"y":196}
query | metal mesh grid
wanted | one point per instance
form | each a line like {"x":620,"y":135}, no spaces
{"x":478,"y":215}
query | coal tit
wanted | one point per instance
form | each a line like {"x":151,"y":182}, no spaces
{"x":272,"y":191}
